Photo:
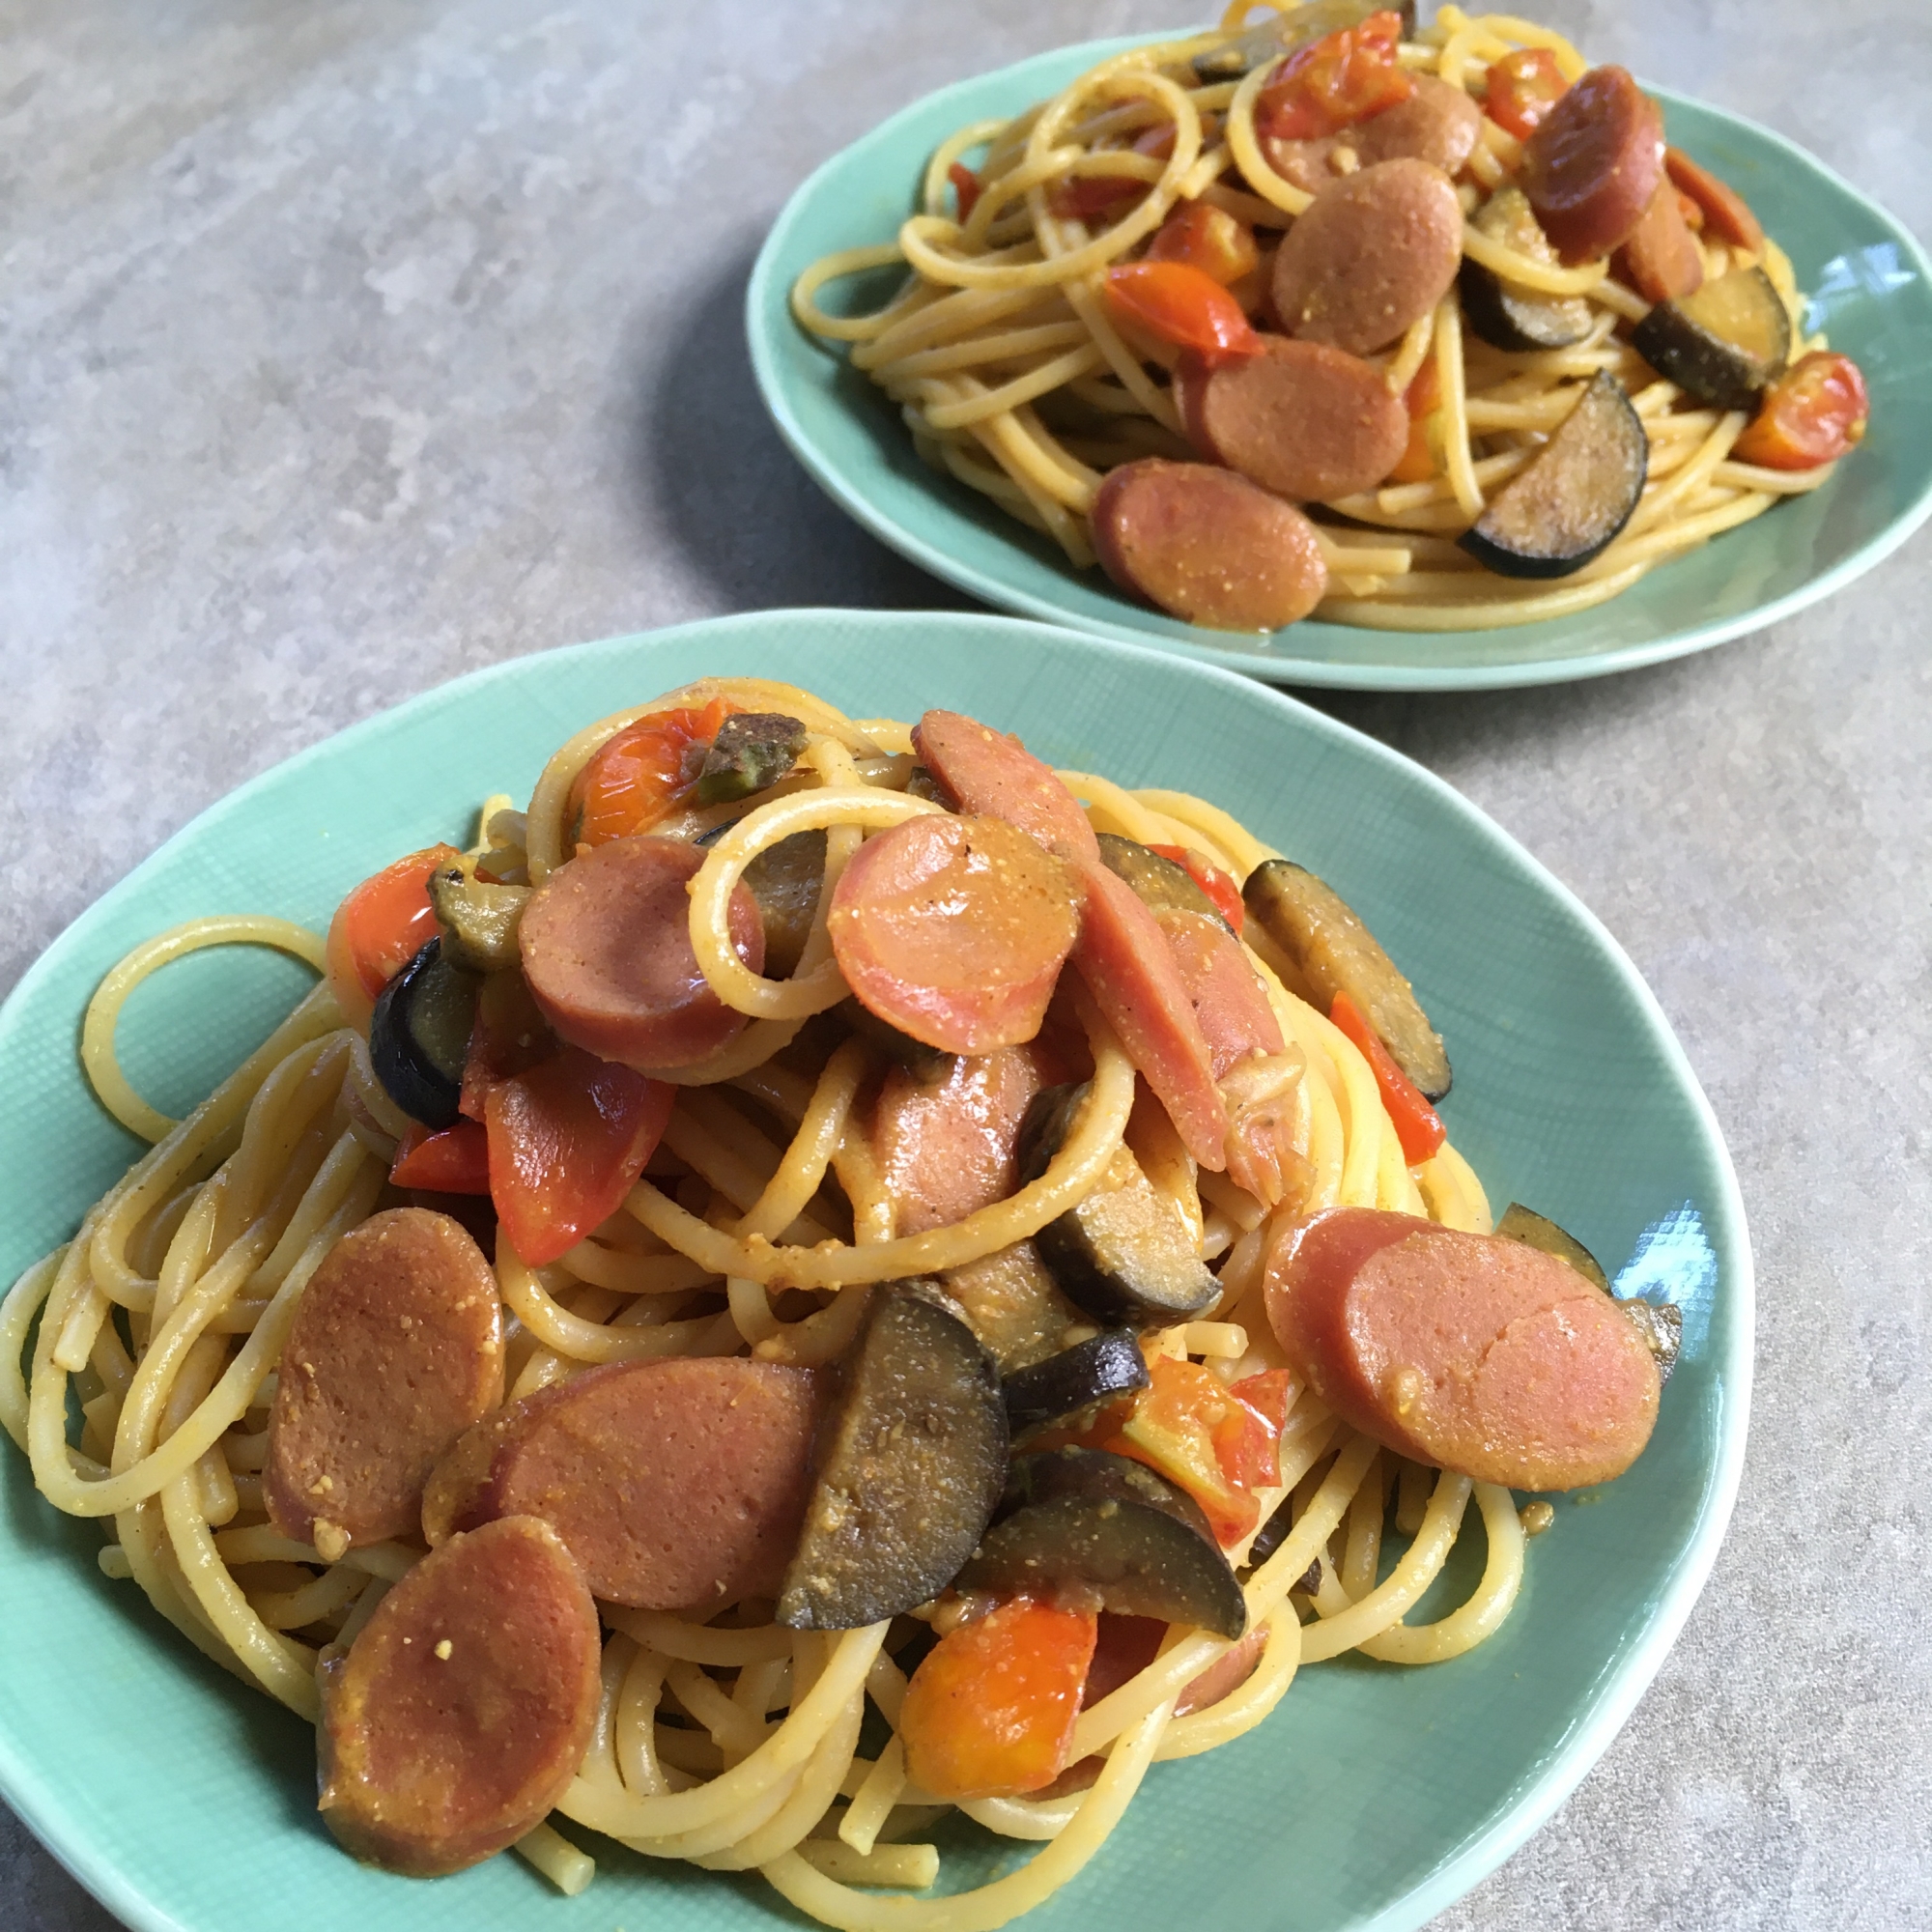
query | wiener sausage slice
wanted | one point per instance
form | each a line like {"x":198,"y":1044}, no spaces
{"x":1467,"y":1351}
{"x":1129,"y":968}
{"x":1593,"y":163}
{"x":466,"y":1705}
{"x":1223,"y":990}
{"x":1437,"y":123}
{"x":1207,"y":546}
{"x":1369,"y":256}
{"x":675,"y":1484}
{"x":991,"y":773}
{"x":1301,"y":419}
{"x":607,"y":950}
{"x":1660,"y":260}
{"x":396,"y":1348}
{"x":945,"y":1147}
{"x":953,"y":930}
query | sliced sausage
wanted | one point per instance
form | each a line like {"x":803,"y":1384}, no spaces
{"x":1371,"y":255}
{"x":1223,"y":990}
{"x":676,"y":1483}
{"x":396,"y":1348}
{"x":1725,"y":211}
{"x":945,"y":1148}
{"x":1466,"y":1351}
{"x":953,"y":930}
{"x":1129,"y":969}
{"x":1207,"y":546}
{"x":989,"y":772}
{"x":465,"y":1707}
{"x":607,"y":950}
{"x":1661,"y":260}
{"x":1437,"y":123}
{"x":1301,"y":419}
{"x":1593,"y":163}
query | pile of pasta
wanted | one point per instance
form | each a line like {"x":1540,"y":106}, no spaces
{"x":1014,"y":377}
{"x":733,"y":1744}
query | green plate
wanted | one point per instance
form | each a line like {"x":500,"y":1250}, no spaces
{"x":1873,"y":295}
{"x":1373,"y":1797}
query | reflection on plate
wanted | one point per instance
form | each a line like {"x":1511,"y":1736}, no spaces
{"x":1874,"y":296}
{"x":1374,"y":1795}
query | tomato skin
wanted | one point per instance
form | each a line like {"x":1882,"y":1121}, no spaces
{"x":1207,"y":238}
{"x":568,"y":1139}
{"x":1334,"y":82}
{"x":454,"y":1161}
{"x":1417,"y":1124}
{"x":965,"y":188}
{"x":1421,"y":399}
{"x":990,"y":1711}
{"x":1182,"y":305}
{"x":1523,"y":86}
{"x":638,"y":775}
{"x":379,"y":929}
{"x":1219,"y":886}
{"x":1190,"y":1428}
{"x":1813,"y":414}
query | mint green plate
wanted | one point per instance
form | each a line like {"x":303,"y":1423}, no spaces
{"x":1373,"y":1797}
{"x":1872,"y":293}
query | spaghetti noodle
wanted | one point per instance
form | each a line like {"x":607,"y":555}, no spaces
{"x":733,"y":1744}
{"x":1015,"y":375}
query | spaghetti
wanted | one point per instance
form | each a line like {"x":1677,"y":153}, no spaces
{"x":733,"y":1744}
{"x":1016,"y":376}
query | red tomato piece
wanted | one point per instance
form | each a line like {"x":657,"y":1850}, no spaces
{"x":379,"y":929}
{"x":508,"y":1037}
{"x":965,"y":188}
{"x":990,"y":1711}
{"x":1523,"y":86}
{"x":1417,"y":1125}
{"x":1176,"y":1429}
{"x":1086,"y":197}
{"x":1182,"y":305}
{"x":568,"y":1139}
{"x":1207,"y":238}
{"x":639,"y":773}
{"x":1333,"y":82}
{"x":1219,"y":886}
{"x":455,"y":1161}
{"x":1421,"y":399}
{"x":1813,"y":414}
{"x":1719,"y":205}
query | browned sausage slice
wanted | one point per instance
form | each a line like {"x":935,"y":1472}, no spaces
{"x":1593,"y":163}
{"x":607,"y":950}
{"x":1661,"y":261}
{"x":1207,"y":546}
{"x":1437,"y":123}
{"x":1369,"y":256}
{"x":396,"y":1348}
{"x":1473,"y":1353}
{"x":990,"y":772}
{"x":465,"y":1707}
{"x":1301,"y":419}
{"x":1129,"y":969}
{"x":945,"y":1148}
{"x":953,"y":930}
{"x":675,"y":1484}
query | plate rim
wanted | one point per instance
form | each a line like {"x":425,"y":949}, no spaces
{"x":88,"y":1856}
{"x":764,"y":300}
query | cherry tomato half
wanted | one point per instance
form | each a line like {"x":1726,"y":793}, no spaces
{"x":379,"y":929}
{"x":1333,"y":82}
{"x":1523,"y":86}
{"x":1815,"y":411}
{"x":1203,"y":236}
{"x":639,"y":773}
{"x":1182,"y":305}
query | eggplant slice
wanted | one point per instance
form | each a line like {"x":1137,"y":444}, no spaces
{"x":1158,"y":883}
{"x":1084,"y":1525}
{"x":1724,"y":344}
{"x":1504,"y":315}
{"x":1566,"y":508}
{"x":1660,"y":1323}
{"x":1094,"y":1370}
{"x":1122,"y":1254}
{"x":752,"y":751}
{"x":419,"y":1036}
{"x":480,"y":917}
{"x":1335,"y":953}
{"x":911,"y":1461}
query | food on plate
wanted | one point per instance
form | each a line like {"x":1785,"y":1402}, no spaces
{"x":614,"y":1384}
{"x":1331,"y":314}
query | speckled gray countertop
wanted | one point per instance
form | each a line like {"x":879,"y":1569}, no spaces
{"x":344,"y":348}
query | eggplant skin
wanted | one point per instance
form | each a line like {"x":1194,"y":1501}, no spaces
{"x":1510,"y":318}
{"x":1106,"y":1365}
{"x":1086,"y":1526}
{"x":1568,"y":506}
{"x":418,"y":1036}
{"x":1158,"y":883}
{"x":911,"y":1462}
{"x":1660,"y":1323}
{"x":1723,"y":343}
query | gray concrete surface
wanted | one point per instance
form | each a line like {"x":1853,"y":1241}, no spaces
{"x":344,"y":348}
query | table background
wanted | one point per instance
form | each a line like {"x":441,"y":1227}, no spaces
{"x":344,"y":348}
